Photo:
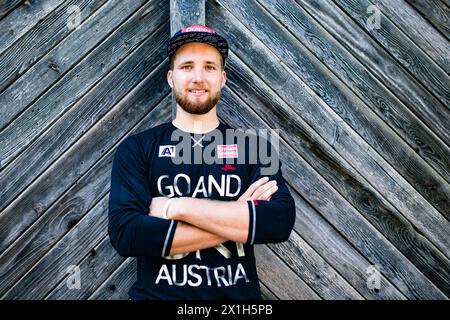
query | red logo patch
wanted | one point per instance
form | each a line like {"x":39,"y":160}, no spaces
{"x":228,"y":167}
{"x":198,"y":28}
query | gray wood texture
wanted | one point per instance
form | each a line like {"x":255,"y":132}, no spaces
{"x":372,"y":92}
{"x":362,"y":115}
{"x":414,"y":59}
{"x":339,"y":212}
{"x":41,"y":38}
{"x":437,"y":13}
{"x":77,"y":125}
{"x":421,"y":102}
{"x":62,"y":58}
{"x":388,"y":217}
{"x":346,"y":104}
{"x":6,"y":6}
{"x":412,"y":23}
{"x":22,"y":19}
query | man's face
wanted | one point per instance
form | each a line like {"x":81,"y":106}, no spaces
{"x":197,"y":77}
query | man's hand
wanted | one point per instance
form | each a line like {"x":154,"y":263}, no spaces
{"x":157,"y":207}
{"x":261,"y":189}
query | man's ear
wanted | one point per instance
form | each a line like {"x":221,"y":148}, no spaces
{"x":169,"y":78}
{"x":224,"y":78}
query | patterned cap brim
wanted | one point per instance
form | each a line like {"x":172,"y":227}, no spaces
{"x":212,"y":39}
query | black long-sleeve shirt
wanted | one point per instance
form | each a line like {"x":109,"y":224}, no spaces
{"x":147,"y":165}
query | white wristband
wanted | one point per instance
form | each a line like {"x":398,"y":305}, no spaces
{"x":166,"y":208}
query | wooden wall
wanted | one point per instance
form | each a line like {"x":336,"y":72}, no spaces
{"x":363,"y":114}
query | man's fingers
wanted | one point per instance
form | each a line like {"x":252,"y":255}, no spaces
{"x":257,"y":194}
{"x":268,"y":193}
{"x":255,"y":185}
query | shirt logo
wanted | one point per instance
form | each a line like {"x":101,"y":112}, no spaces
{"x":166,"y":151}
{"x":227,"y":151}
{"x":228,"y":167}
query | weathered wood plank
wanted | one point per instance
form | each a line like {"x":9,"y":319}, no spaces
{"x":388,"y":220}
{"x":57,"y":178}
{"x":94,"y":269}
{"x":53,"y":224}
{"x":17,"y":58}
{"x":22,"y":19}
{"x":446,"y":2}
{"x":330,"y":244}
{"x":72,"y":206}
{"x":61,"y":98}
{"x":392,"y":39}
{"x":184,"y":13}
{"x":105,"y":257}
{"x":376,"y":95}
{"x":266,"y":294}
{"x":50,"y":144}
{"x":314,"y":270}
{"x":435,"y":12}
{"x":62,"y":58}
{"x":418,"y":30}
{"x":336,"y":209}
{"x":77,"y":243}
{"x":280,"y":278}
{"x":7,"y":6}
{"x":343,"y":102}
{"x":330,"y":127}
{"x":429,"y":109}
{"x":117,"y":285}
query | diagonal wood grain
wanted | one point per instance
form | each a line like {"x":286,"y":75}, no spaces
{"x":424,"y":69}
{"x":6,"y":6}
{"x":47,"y":33}
{"x":59,"y":60}
{"x":372,"y":92}
{"x":418,"y":30}
{"x":23,"y":18}
{"x":341,"y":213}
{"x":74,"y":123}
{"x":381,"y":64}
{"x":437,"y":13}
{"x":364,"y":198}
{"x":349,"y":107}
{"x":53,"y":223}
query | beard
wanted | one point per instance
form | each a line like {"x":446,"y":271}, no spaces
{"x":190,"y":105}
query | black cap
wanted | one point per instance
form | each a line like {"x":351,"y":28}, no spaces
{"x":197,"y":33}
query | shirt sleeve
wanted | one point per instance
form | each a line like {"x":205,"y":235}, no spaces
{"x":271,"y":221}
{"x":132,"y":232}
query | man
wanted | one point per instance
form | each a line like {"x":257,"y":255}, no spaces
{"x":192,"y":224}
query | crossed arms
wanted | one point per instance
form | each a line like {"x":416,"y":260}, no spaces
{"x":205,"y":223}
{"x":265,"y":213}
